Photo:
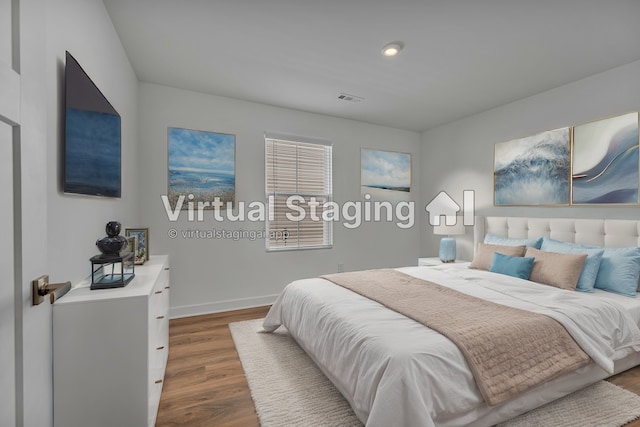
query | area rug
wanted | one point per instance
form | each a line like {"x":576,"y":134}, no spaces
{"x":288,"y":389}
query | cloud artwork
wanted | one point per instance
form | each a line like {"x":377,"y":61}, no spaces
{"x":385,"y":170}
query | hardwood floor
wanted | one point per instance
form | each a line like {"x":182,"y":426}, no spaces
{"x":629,"y":380}
{"x":205,"y":385}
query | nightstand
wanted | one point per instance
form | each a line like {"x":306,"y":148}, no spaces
{"x":430,"y":262}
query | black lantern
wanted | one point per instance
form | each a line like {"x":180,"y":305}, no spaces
{"x":112,"y":271}
{"x":113,"y":268}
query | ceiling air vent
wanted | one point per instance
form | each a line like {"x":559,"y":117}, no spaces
{"x":350,"y":98}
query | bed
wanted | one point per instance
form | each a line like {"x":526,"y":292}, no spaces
{"x":394,"y":371}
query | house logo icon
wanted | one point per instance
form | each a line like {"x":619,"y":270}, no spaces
{"x":443,"y":205}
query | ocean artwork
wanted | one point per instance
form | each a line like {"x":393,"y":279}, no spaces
{"x":201,"y":164}
{"x":382,"y":171}
{"x":606,"y":161}
{"x":92,"y":153}
{"x":533,"y":170}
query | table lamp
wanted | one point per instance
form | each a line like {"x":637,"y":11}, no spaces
{"x":448,"y":244}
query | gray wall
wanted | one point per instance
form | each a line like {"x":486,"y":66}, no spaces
{"x":59,"y":231}
{"x":84,"y":28}
{"x":459,"y":156}
{"x":211,"y":275}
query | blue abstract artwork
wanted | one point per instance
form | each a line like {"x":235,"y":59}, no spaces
{"x":533,"y":170}
{"x":605,"y":161}
{"x":92,"y":153}
{"x":201,"y":166}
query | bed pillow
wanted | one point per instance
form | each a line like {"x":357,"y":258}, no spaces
{"x":619,"y":271}
{"x":587,"y":279}
{"x":484,"y":254}
{"x":515,"y":266}
{"x":556,"y":269}
{"x":508,"y":241}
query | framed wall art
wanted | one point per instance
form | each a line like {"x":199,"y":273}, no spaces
{"x":201,"y":163}
{"x":384,"y":171}
{"x":534,"y":170}
{"x":605,"y":161}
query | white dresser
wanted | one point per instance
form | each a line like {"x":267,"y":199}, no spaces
{"x":110,"y":350}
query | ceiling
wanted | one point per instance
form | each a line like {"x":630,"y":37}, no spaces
{"x":460,"y":56}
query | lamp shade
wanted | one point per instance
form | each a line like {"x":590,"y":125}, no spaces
{"x":449,"y":230}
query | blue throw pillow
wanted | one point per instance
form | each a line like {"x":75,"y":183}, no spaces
{"x":633,"y":251}
{"x":587,"y":279}
{"x":512,"y":266}
{"x":508,"y":241}
{"x":619,"y":271}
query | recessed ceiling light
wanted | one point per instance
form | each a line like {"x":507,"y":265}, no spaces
{"x":392,"y":49}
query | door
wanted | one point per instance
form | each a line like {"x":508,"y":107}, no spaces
{"x":25,"y":331}
{"x":9,"y":119}
{"x":7,"y":288}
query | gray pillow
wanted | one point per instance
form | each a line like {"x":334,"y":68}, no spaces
{"x":484,"y":254}
{"x":555,"y":269}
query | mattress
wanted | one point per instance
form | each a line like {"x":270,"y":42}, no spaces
{"x":631,"y":305}
{"x":394,"y":371}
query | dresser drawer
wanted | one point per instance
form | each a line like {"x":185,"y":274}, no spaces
{"x":158,"y":339}
{"x":110,"y":349}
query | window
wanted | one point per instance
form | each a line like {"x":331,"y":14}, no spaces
{"x":298,"y":189}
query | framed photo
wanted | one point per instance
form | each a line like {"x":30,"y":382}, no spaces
{"x":384,"y":171}
{"x":203,"y":164}
{"x":533,"y":170}
{"x":142,"y":247}
{"x":132,"y":244}
{"x":605,"y":161}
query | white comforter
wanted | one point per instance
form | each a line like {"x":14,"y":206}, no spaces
{"x":397,"y":372}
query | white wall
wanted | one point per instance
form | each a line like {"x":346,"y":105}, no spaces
{"x":58,"y":233}
{"x":459,"y":156}
{"x":216,"y":275}
{"x":84,"y":28}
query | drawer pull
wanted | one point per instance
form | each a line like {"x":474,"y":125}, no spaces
{"x":158,"y":381}
{"x":167,"y":287}
{"x":166,"y":268}
{"x":160,"y":348}
{"x":160,"y":317}
{"x":158,"y":292}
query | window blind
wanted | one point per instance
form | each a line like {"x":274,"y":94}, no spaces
{"x":298,"y":172}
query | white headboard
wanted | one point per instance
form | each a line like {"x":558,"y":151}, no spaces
{"x":601,"y":232}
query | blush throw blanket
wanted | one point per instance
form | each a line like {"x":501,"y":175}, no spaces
{"x":508,"y":350}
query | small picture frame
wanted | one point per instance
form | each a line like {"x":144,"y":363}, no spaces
{"x":132,"y":244}
{"x":142,"y":247}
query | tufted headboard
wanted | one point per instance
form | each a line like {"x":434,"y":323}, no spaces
{"x":601,"y":232}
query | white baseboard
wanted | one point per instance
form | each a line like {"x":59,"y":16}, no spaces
{"x":220,"y":306}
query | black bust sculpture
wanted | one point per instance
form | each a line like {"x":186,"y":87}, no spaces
{"x":113,"y":243}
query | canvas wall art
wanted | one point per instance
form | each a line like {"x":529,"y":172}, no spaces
{"x":605,"y":161}
{"x":384,"y":171}
{"x":533,"y":170}
{"x":203,"y":164}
